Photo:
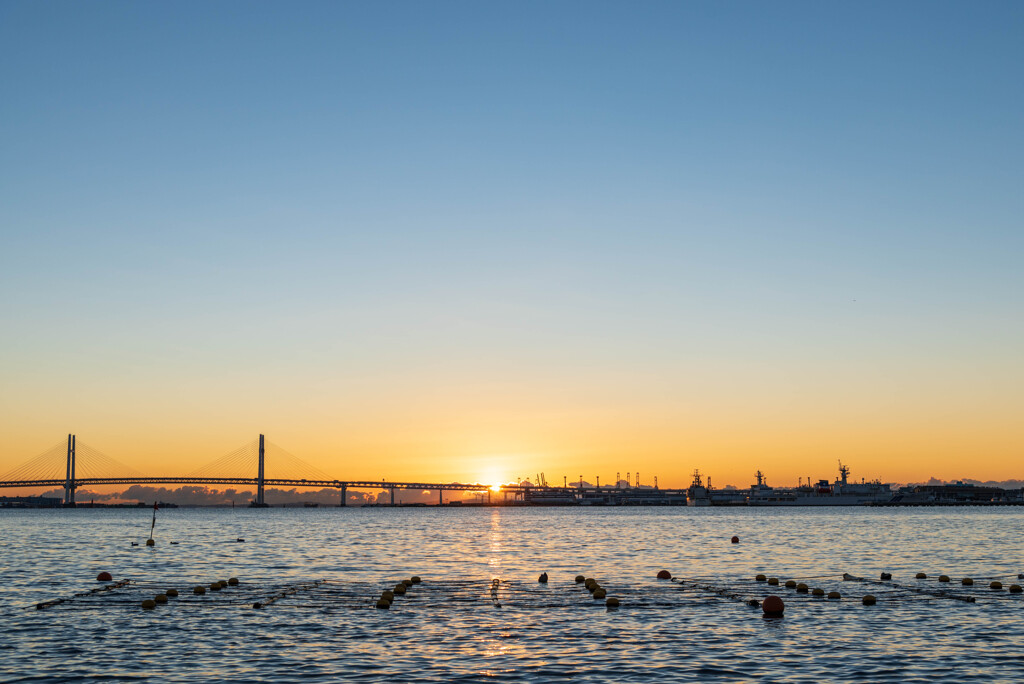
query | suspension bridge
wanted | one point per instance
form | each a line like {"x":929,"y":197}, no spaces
{"x":77,"y":465}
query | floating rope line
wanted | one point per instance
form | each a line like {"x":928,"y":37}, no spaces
{"x":91,"y":592}
{"x":724,"y":592}
{"x":287,"y":591}
{"x":918,"y":590}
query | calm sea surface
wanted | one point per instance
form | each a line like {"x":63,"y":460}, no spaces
{"x":454,"y":627}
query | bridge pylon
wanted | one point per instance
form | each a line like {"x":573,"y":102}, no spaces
{"x":69,"y":480}
{"x":259,"y":502}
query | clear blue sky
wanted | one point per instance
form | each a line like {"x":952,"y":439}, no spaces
{"x":663,"y":203}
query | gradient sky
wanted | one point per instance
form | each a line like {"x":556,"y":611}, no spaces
{"x":479,"y":240}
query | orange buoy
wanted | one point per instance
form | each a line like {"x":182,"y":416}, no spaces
{"x":791,"y":584}
{"x":920,"y":575}
{"x":664,"y":574}
{"x":104,"y":577}
{"x":735,"y":540}
{"x":774,"y":581}
{"x":761,"y":578}
{"x":943,"y":578}
{"x":773,"y":606}
{"x":1015,"y":589}
{"x":995,"y":585}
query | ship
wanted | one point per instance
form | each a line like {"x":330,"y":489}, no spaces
{"x":842,"y":492}
{"x":697,"y":494}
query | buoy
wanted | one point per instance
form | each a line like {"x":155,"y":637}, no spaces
{"x":233,"y":581}
{"x":150,"y":542}
{"x":104,"y":577}
{"x":600,"y":593}
{"x":834,"y":595}
{"x":612,"y":603}
{"x":171,"y":592}
{"x":149,"y":604}
{"x":760,"y":578}
{"x":224,"y":584}
{"x":735,"y":540}
{"x":409,"y":582}
{"x":943,"y":578}
{"x":817,"y":592}
{"x":774,"y":581}
{"x":886,"y":576}
{"x":160,"y":598}
{"x":543,"y":579}
{"x":382,"y":604}
{"x":399,"y":589}
{"x":388,"y":594}
{"x":921,"y":575}
{"x":995,"y":585}
{"x":967,"y":581}
{"x":581,"y":578}
{"x":1015,"y":589}
{"x":415,"y":579}
{"x":199,"y":590}
{"x":791,"y":584}
{"x":802,"y":588}
{"x":589,"y":581}
{"x":868,"y":600}
{"x":215,"y":586}
{"x":664,"y":574}
{"x":773,"y":606}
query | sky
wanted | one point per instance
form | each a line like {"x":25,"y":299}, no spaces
{"x":478,"y":241}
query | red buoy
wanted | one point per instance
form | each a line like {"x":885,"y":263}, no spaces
{"x":664,"y":574}
{"x":104,"y":577}
{"x":735,"y":540}
{"x":773,"y":606}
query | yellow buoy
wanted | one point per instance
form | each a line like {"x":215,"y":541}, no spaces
{"x":612,"y":603}
{"x":383,"y":604}
{"x":160,"y":598}
{"x":760,"y":578}
{"x":791,"y":584}
{"x":149,"y":604}
{"x":233,"y":581}
{"x":967,"y":581}
{"x":600,"y":593}
{"x":921,"y":575}
{"x":415,"y":579}
{"x":774,"y":581}
{"x":834,"y":595}
{"x":171,"y":592}
{"x":1015,"y":589}
{"x":817,"y":592}
{"x":868,"y":600}
{"x":995,"y":585}
{"x":199,"y":590}
{"x":943,"y":578}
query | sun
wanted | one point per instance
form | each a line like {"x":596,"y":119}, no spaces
{"x":496,"y":487}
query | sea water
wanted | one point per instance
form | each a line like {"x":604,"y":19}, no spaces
{"x":457,"y":625}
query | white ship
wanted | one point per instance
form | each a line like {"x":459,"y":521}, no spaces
{"x":697,"y":494}
{"x":842,"y":492}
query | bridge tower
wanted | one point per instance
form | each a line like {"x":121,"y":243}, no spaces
{"x":259,"y":479}
{"x":69,"y":480}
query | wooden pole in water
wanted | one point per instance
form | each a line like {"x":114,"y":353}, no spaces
{"x":153,"y":524}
